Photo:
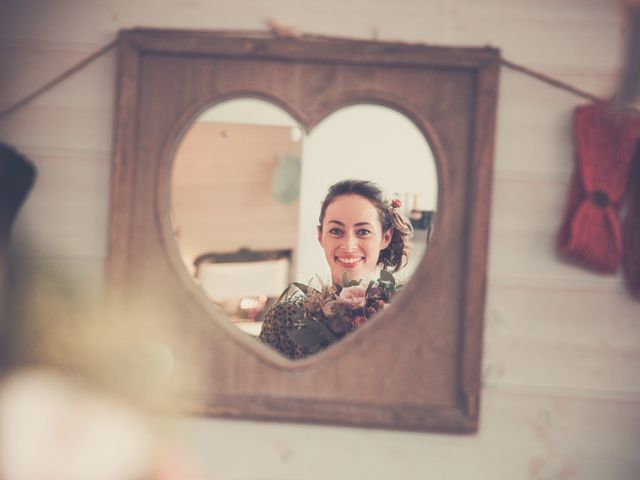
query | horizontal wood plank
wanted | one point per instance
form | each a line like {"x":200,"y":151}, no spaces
{"x":58,"y":127}
{"x":30,"y":67}
{"x":65,"y":214}
{"x":532,"y":434}
{"x":551,"y":337}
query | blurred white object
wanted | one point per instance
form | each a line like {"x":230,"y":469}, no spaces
{"x":51,"y":428}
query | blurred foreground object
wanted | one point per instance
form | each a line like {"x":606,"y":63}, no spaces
{"x":84,"y":390}
{"x":629,"y":86}
{"x":79,"y":382}
{"x":53,"y":429}
{"x":17,"y":175}
{"x":631,"y":231}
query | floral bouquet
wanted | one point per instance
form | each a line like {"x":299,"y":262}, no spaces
{"x":330,"y":312}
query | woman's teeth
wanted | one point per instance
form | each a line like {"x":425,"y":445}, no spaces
{"x":349,"y":261}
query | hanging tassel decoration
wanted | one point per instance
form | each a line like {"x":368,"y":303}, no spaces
{"x":590,"y":234}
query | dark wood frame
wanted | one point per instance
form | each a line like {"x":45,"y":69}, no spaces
{"x":415,"y":367}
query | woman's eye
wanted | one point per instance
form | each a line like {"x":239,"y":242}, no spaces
{"x":335,"y":231}
{"x":363,"y":232}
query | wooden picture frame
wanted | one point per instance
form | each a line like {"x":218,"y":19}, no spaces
{"x":415,"y":367}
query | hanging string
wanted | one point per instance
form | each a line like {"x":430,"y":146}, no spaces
{"x":503,"y":61}
{"x":551,"y":81}
{"x":63,"y":76}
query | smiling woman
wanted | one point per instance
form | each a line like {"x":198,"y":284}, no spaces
{"x":359,"y":231}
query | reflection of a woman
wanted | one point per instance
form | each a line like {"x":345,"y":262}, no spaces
{"x":359,"y":230}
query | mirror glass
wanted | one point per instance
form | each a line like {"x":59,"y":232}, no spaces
{"x":247,"y":185}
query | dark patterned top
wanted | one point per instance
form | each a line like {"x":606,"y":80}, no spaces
{"x":278,"y":321}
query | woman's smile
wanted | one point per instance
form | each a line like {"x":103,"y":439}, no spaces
{"x":349,"y":262}
{"x":352,"y":238}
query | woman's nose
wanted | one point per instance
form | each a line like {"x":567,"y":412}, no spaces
{"x":350,"y":243}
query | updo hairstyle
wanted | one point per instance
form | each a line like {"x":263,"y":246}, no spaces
{"x":396,"y":255}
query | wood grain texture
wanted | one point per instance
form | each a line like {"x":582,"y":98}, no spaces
{"x":525,"y":434}
{"x":531,"y":330}
{"x":41,"y":128}
{"x":433,"y":381}
{"x":43,"y":63}
{"x":73,"y":188}
{"x":122,"y":169}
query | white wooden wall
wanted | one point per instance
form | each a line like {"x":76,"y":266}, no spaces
{"x":561,"y":395}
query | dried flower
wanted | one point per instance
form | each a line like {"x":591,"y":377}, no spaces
{"x":314,"y":303}
{"x":329,"y":309}
{"x":396,"y":203}
{"x":359,"y":320}
{"x":353,"y":297}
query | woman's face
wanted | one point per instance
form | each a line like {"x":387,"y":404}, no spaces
{"x":352,"y":238}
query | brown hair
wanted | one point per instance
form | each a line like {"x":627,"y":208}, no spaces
{"x":397,"y":253}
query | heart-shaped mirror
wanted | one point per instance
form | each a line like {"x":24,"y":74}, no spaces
{"x":290,"y":264}
{"x":426,"y":345}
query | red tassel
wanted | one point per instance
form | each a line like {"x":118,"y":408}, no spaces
{"x":590,"y":232}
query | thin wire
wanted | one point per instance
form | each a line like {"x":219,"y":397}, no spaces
{"x":551,"y":81}
{"x":63,"y":76}
{"x":507,"y":63}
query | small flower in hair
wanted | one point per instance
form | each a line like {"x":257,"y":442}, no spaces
{"x":396,"y":203}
